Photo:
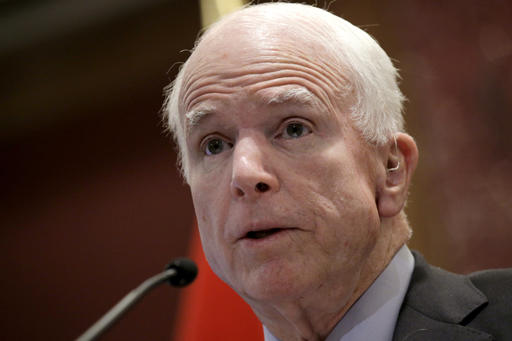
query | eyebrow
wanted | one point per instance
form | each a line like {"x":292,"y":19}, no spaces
{"x":298,"y":95}
{"x":195,"y":116}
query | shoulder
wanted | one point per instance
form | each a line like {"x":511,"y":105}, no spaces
{"x":493,"y":282}
{"x":480,"y":302}
{"x":440,"y":294}
{"x":496,"y":285}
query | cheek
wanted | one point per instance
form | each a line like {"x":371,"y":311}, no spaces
{"x":213,"y":249}
{"x":209,"y":200}
{"x":201,"y":201}
{"x":205,"y":229}
{"x":342,"y":206}
{"x":211,"y":210}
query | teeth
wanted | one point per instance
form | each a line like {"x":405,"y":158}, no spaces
{"x":261,"y":234}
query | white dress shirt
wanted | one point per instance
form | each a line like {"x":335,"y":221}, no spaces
{"x":374,"y":315}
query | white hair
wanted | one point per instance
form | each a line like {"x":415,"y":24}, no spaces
{"x":376,"y":100}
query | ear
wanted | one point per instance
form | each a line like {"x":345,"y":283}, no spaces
{"x":400,"y":162}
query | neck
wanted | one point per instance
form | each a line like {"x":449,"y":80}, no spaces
{"x":312,"y":316}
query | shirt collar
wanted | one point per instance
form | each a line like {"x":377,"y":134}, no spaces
{"x":374,"y":315}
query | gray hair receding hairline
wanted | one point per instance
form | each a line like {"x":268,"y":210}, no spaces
{"x":377,"y":107}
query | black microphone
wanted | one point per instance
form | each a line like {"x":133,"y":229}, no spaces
{"x":178,"y":273}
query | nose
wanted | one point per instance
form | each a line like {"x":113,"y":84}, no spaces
{"x":252,"y":170}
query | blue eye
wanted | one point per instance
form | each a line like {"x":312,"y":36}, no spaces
{"x":215,"y":146}
{"x":295,"y":130}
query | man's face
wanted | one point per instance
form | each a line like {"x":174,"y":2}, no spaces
{"x":283,"y":186}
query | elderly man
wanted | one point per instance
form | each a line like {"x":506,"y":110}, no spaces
{"x":290,"y":130}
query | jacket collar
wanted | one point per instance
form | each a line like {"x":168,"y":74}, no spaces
{"x":436,"y":306}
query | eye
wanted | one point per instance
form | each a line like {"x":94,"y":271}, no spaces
{"x":294,"y":130}
{"x":214,"y":146}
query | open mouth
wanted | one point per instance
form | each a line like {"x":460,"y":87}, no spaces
{"x":262,"y":233}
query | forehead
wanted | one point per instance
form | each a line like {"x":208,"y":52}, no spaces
{"x":269,"y":64}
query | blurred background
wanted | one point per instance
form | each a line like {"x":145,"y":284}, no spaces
{"x":92,"y":203}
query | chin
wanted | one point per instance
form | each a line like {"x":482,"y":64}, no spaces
{"x":274,"y":282}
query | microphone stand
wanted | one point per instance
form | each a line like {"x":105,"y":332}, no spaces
{"x":135,"y":295}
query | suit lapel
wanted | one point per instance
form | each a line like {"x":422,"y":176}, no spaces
{"x":436,"y":306}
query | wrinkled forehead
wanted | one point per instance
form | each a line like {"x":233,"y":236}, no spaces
{"x":246,"y":45}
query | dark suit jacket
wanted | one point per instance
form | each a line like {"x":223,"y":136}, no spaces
{"x":440,"y":306}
